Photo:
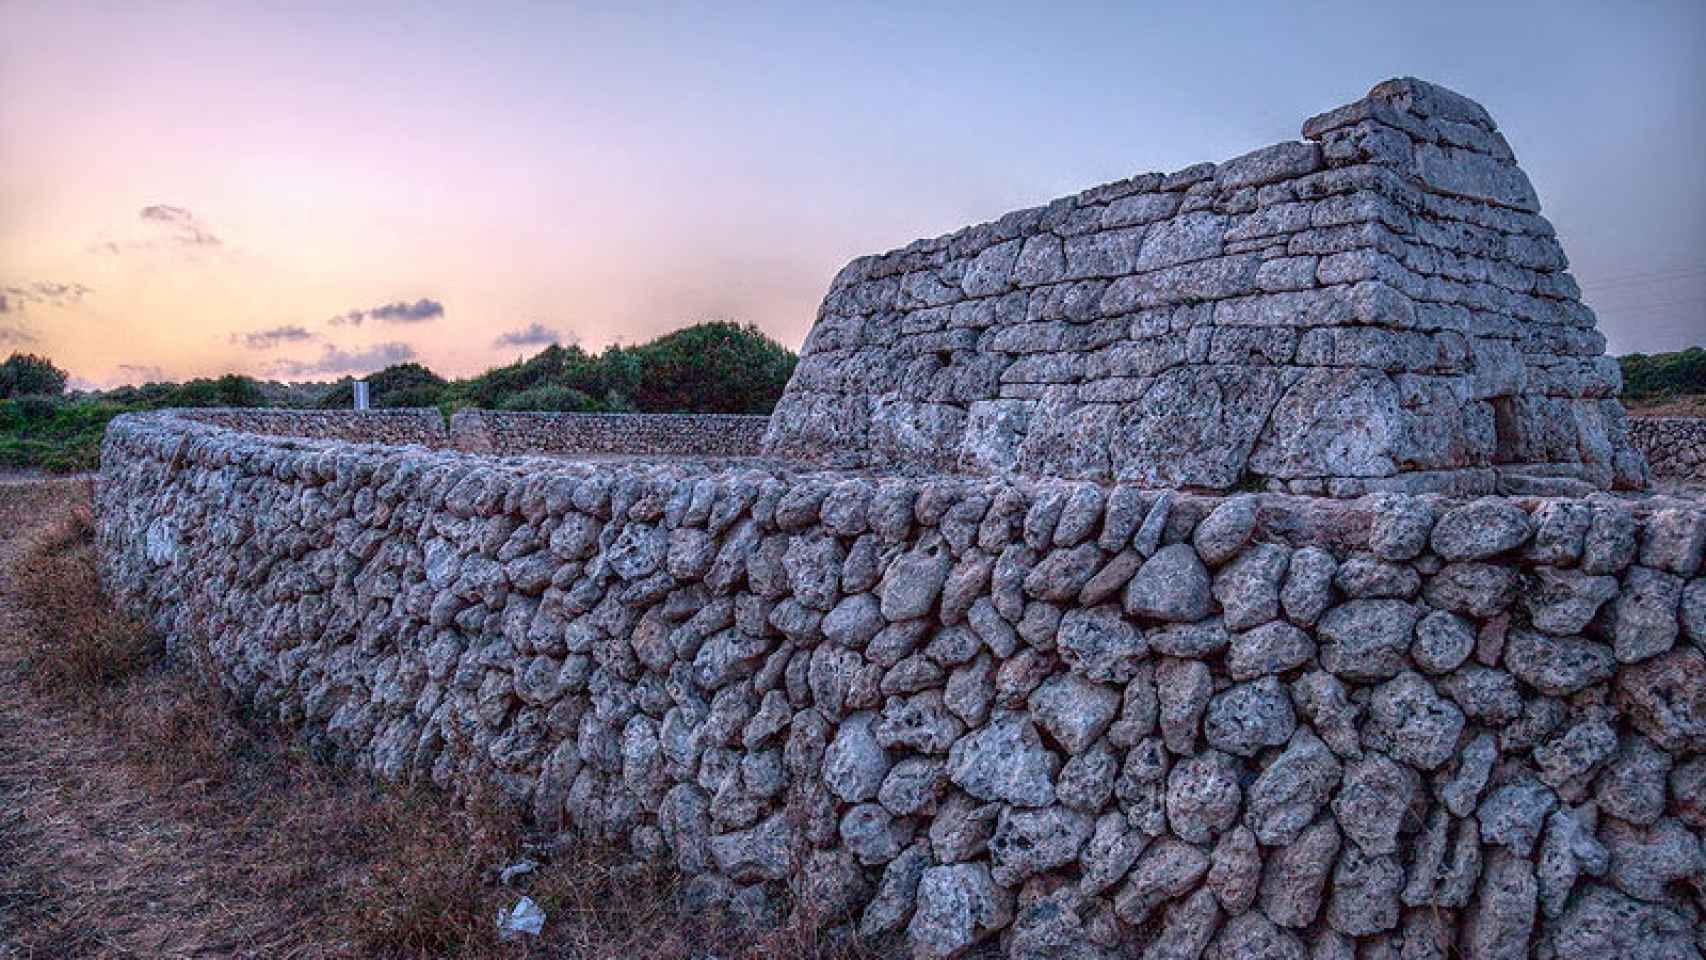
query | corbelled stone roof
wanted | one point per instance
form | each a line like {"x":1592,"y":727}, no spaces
{"x":1378,"y":306}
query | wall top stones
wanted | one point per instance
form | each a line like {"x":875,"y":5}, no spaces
{"x":1377,"y":307}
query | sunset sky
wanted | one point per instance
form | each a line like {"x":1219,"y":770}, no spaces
{"x":303,"y":190}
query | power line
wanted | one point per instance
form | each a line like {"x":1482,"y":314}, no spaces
{"x":1638,"y":279}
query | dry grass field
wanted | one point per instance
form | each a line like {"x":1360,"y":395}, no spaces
{"x":143,"y":816}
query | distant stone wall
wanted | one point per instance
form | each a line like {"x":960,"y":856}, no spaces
{"x":1090,"y":721}
{"x":1378,"y":307}
{"x":424,"y":426}
{"x":1675,"y":446}
{"x":696,"y":434}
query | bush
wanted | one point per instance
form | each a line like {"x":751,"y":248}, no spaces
{"x":706,"y":368}
{"x":399,"y":385}
{"x":712,"y":368}
{"x":26,"y":375}
{"x":231,"y":390}
{"x":550,"y":397}
{"x":61,"y":436}
{"x":1648,"y":376}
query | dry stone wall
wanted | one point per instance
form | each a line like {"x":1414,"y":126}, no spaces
{"x":1378,"y":307}
{"x":1675,"y":447}
{"x":1057,"y":719}
{"x":699,"y":434}
{"x":424,"y":426}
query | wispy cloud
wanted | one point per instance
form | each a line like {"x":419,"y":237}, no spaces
{"x":14,"y":299}
{"x":334,"y":360}
{"x":402,"y":311}
{"x":164,"y":227}
{"x":182,"y":226}
{"x":272,"y":337}
{"x":532,"y":335}
{"x":16,"y":334}
{"x":140,"y":373}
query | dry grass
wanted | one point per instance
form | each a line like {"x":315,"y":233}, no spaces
{"x":141,"y":816}
{"x":1683,"y":406}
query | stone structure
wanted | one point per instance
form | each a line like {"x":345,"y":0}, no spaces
{"x":1675,"y":447}
{"x":1008,"y":704}
{"x":422,"y":426}
{"x":1079,"y":721}
{"x":1378,"y":307}
{"x":703,"y":434}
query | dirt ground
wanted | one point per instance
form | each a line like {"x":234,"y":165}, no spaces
{"x":140,"y":816}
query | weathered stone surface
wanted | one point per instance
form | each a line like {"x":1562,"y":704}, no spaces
{"x":1223,"y":533}
{"x":1248,"y":588}
{"x":1184,"y":688}
{"x":1513,"y":814}
{"x":1665,"y":698}
{"x":1289,"y":793}
{"x":1100,"y":644}
{"x":1605,"y":923}
{"x":1074,"y":710}
{"x":1400,"y":527}
{"x":958,"y":905}
{"x":1250,"y":716}
{"x":1365,"y":640}
{"x":1376,"y":800}
{"x":1644,"y":622}
{"x":1557,"y":665}
{"x":1500,"y":922}
{"x":1271,"y":648}
{"x":1030,"y":842}
{"x":1364,"y":897}
{"x":1006,"y":762}
{"x":1202,"y":796}
{"x":1443,"y":642}
{"x":1308,"y":589}
{"x":1168,"y":869}
{"x":1172,"y":585}
{"x":1482,"y":529}
{"x":1563,"y":602}
{"x":1295,"y":875}
{"x":855,"y":764}
{"x":1411,"y":722}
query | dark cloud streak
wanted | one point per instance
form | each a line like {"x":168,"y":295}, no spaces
{"x":14,"y":299}
{"x":185,"y":227}
{"x":401,"y":312}
{"x":272,"y":337}
{"x":336,"y":360}
{"x":532,"y":335}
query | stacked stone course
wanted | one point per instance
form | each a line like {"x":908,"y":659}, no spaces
{"x":422,"y":426}
{"x":1378,"y":307}
{"x":1058,"y":718}
{"x":700,"y":434}
{"x":1675,"y":447}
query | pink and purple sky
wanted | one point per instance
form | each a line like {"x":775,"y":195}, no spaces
{"x":310,"y":189}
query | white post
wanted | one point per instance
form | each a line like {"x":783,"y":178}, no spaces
{"x":361,"y":394}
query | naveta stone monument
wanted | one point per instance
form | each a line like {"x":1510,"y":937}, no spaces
{"x":1378,"y":307}
{"x":1004,"y":707}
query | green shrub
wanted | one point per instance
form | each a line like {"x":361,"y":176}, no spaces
{"x":711,"y":368}
{"x":27,"y":375}
{"x":1646,"y":376}
{"x":62,"y":436}
{"x":399,"y":385}
{"x":550,"y":397}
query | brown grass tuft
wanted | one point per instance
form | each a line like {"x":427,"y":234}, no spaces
{"x":75,"y":641}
